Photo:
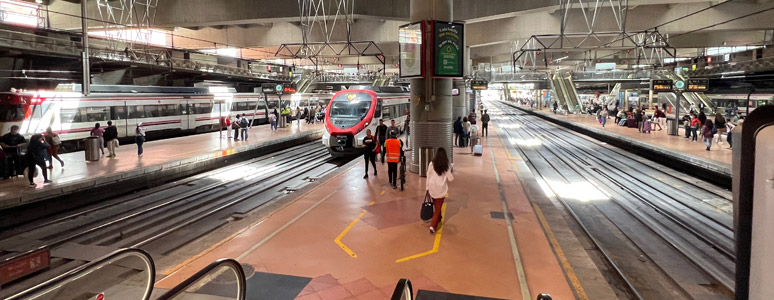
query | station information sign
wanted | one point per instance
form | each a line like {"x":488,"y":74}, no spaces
{"x":479,"y":84}
{"x":697,"y":85}
{"x":289,"y":88}
{"x":272,"y":88}
{"x":448,"y":49}
{"x":661,"y":85}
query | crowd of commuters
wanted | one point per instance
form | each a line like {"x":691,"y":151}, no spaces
{"x":696,"y":122}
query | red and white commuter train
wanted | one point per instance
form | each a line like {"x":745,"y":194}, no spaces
{"x":163,"y":111}
{"x":351,"y":112}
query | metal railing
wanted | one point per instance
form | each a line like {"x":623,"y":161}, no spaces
{"x":209,"y":274}
{"x":520,"y":77}
{"x":76,"y":281}
{"x":403,"y":290}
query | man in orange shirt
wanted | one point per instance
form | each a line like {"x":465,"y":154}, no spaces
{"x":393,"y":152}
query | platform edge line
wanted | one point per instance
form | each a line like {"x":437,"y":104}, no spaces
{"x":344,"y":232}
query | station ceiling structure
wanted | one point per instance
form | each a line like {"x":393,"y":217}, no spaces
{"x":498,"y":31}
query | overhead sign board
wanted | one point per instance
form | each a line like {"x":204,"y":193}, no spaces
{"x":448,"y":49}
{"x":479,"y":84}
{"x":271,"y":88}
{"x":664,"y":85}
{"x":412,"y":50}
{"x":289,"y":88}
{"x":697,"y":85}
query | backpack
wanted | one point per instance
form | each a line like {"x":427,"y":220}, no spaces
{"x":243,"y":123}
{"x":714,"y":129}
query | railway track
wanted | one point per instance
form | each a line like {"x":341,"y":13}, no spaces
{"x":666,"y":234}
{"x":162,"y":219}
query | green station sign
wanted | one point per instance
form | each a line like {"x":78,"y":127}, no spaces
{"x":448,"y":49}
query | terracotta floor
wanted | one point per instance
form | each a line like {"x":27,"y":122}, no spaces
{"x":719,"y":153}
{"x":356,"y":237}
{"x":155,"y":152}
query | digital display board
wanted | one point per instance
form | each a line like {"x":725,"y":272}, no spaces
{"x":661,"y":85}
{"x":272,"y":88}
{"x":411,"y":44}
{"x":479,"y":84}
{"x":289,"y":88}
{"x":448,"y":49}
{"x":697,"y":85}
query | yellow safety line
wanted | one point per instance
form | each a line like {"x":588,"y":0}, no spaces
{"x":372,"y":203}
{"x":579,"y":291}
{"x":436,"y":243}
{"x":343,"y":233}
{"x":232,"y":236}
{"x":382,"y":193}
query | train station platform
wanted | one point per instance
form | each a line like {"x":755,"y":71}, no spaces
{"x":162,"y":160}
{"x":353,"y":238}
{"x":656,"y":145}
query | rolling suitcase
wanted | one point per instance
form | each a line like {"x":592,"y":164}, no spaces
{"x":478,"y":150}
{"x":622,"y":122}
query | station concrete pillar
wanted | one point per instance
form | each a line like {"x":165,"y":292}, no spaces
{"x":431,"y":99}
{"x":459,"y":101}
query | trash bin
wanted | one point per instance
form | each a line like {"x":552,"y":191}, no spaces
{"x":92,"y":149}
{"x":671,"y":126}
{"x":426,"y":155}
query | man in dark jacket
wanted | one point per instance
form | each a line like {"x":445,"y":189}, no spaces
{"x":381,"y":137}
{"x":12,"y":143}
{"x":111,"y":138}
{"x":457,"y":131}
{"x":485,"y":124}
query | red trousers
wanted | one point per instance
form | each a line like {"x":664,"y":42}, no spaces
{"x":437,"y":205}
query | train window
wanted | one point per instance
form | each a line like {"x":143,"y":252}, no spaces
{"x":386,"y":113}
{"x":68,"y":115}
{"x":183,"y":109}
{"x":93,"y":114}
{"x":378,"y":110}
{"x":244,"y":105}
{"x":203,"y":108}
{"x":169,"y":110}
{"x":152,"y":111}
{"x":118,"y":112}
{"x":11,"y":113}
{"x":136,"y":112}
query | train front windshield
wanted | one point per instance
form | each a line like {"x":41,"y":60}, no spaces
{"x":348,"y":109}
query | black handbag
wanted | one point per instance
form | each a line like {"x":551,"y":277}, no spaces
{"x":427,"y":211}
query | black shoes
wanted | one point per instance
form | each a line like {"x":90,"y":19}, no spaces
{"x":366,"y":176}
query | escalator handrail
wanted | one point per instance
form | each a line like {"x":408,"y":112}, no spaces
{"x":400,"y":288}
{"x":87,"y":268}
{"x":241,"y":279}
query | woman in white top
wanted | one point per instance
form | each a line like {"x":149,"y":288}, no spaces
{"x":438,"y":175}
{"x":139,"y":138}
{"x":465,"y":130}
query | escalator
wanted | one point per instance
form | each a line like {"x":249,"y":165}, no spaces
{"x":564,"y":89}
{"x":693,"y":98}
{"x":404,"y":291}
{"x":558,"y":91}
{"x":572,"y":93}
{"x":130,"y":274}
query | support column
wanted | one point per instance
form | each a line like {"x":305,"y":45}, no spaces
{"x":459,"y":102}
{"x":86,"y":84}
{"x":431,"y":100}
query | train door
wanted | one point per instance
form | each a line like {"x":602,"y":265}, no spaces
{"x":119,"y":114}
{"x":183,"y":108}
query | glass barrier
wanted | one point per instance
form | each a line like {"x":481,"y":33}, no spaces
{"x":403,"y":290}
{"x":123,"y":274}
{"x":222,"y":279}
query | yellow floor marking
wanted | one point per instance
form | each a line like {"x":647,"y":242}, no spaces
{"x":259,"y":221}
{"x":436,"y":243}
{"x":372,"y":203}
{"x":382,"y":193}
{"x":560,"y":254}
{"x":343,"y":233}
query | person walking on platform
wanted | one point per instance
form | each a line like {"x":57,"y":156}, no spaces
{"x":298,"y":115}
{"x":369,"y":151}
{"x":687,"y":125}
{"x":720,"y":125}
{"x":407,"y":129}
{"x":244,"y":124}
{"x":485,"y":124}
{"x":12,"y":143}
{"x":706,"y":133}
{"x":99,"y":132}
{"x":53,"y":140}
{"x":472,"y":117}
{"x":273,"y":120}
{"x":465,"y":131}
{"x":439,"y":174}
{"x":393,"y":148}
{"x":111,"y":138}
{"x":555,"y":107}
{"x":695,"y":124}
{"x":702,"y":117}
{"x":306,"y":115}
{"x":603,"y":117}
{"x":227,"y":125}
{"x":235,"y":126}
{"x":381,"y":137}
{"x":36,"y":157}
{"x":393,"y":130}
{"x":139,"y":137}
{"x":458,"y":132}
{"x":473,"y":136}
